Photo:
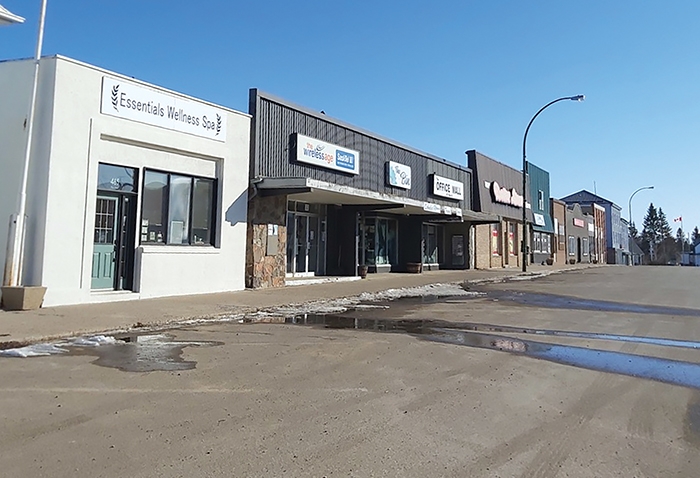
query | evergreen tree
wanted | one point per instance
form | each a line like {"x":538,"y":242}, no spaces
{"x":680,"y":241}
{"x":634,"y":233}
{"x":663,"y":227}
{"x":696,"y":237}
{"x":650,"y":236}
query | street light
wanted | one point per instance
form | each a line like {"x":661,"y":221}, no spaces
{"x":8,"y":18}
{"x":15,"y":243}
{"x":525,"y":235}
{"x":629,"y":204}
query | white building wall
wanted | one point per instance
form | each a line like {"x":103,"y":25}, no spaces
{"x":81,"y":138}
{"x":15,"y":93}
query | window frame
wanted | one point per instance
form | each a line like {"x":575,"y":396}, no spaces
{"x":166,"y":212}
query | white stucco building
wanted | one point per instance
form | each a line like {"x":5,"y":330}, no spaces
{"x":134,"y":191}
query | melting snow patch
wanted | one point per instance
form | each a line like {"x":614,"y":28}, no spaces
{"x":94,"y":341}
{"x":36,"y":350}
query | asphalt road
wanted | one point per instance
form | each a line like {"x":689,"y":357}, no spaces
{"x":423,"y":398}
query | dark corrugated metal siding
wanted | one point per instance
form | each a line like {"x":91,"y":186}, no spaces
{"x":488,"y":170}
{"x":274,"y":124}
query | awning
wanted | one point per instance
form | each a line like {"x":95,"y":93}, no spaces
{"x":322,"y":192}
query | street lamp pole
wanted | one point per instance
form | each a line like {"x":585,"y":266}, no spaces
{"x":15,"y":243}
{"x":525,"y":234}
{"x":629,"y":204}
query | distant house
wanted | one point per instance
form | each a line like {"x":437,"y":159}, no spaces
{"x":691,"y":258}
{"x":616,"y":235}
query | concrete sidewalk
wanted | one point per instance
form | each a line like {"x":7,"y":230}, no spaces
{"x":65,"y":321}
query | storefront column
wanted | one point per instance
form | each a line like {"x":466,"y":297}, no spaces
{"x":266,"y":256}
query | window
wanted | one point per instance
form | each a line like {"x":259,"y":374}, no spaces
{"x":584,"y":246}
{"x":512,"y":250}
{"x":536,"y":242}
{"x":572,"y":246}
{"x":540,"y":199}
{"x":177,"y":209}
{"x":495,"y":242}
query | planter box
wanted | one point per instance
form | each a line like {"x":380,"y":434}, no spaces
{"x":414,"y":267}
{"x":22,"y":297}
{"x":362,"y":271}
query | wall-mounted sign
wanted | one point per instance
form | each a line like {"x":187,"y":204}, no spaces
{"x":579,"y":222}
{"x":452,"y":211}
{"x":327,"y":155}
{"x":447,"y":188}
{"x":539,"y":219}
{"x":505,"y":196}
{"x":145,"y":105}
{"x":398,"y":175}
{"x":430,"y":207}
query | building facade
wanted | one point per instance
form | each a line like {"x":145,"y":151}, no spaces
{"x":497,"y":190}
{"x":134,"y":191}
{"x":614,"y":245}
{"x":558,"y":209}
{"x":578,"y":244}
{"x":541,"y":227}
{"x":331,"y":199}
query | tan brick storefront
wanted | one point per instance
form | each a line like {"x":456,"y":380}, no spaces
{"x":497,"y":245}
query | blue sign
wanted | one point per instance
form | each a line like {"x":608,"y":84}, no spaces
{"x":345,"y":160}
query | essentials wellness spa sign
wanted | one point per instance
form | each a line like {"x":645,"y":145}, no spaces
{"x":327,"y":155}
{"x":145,"y":105}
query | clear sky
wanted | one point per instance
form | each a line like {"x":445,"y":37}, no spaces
{"x":440,"y":76}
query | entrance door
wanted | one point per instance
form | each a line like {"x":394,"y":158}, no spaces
{"x":104,"y":251}
{"x":113,"y":246}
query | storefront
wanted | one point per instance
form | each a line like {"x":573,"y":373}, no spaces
{"x":578,"y":243}
{"x":331,"y":199}
{"x":497,"y":192}
{"x":542,"y":228}
{"x":558,"y":209}
{"x":134,"y":191}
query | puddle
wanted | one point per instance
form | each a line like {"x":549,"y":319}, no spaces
{"x":131,"y":353}
{"x":673,"y":372}
{"x":565,"y":302}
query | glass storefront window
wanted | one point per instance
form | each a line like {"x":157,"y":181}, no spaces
{"x":430,"y":244}
{"x":186,"y":202}
{"x":155,"y":204}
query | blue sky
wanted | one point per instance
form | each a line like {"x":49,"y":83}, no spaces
{"x":441,"y":76}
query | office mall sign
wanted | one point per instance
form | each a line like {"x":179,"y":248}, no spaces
{"x":146,"y":105}
{"x":326,"y":155}
{"x":447,"y":188}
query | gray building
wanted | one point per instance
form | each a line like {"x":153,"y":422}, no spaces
{"x":616,"y":234}
{"x":329,"y":198}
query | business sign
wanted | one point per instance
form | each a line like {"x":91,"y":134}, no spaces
{"x":579,"y":222}
{"x":398,"y":175}
{"x":506,"y":196}
{"x":146,"y":105}
{"x":430,"y":207}
{"x":327,"y":155}
{"x":539,"y":219}
{"x":448,"y":188}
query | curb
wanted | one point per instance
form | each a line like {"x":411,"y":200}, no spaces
{"x":241,"y":315}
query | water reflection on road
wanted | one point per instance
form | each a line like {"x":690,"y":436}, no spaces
{"x":674,"y":372}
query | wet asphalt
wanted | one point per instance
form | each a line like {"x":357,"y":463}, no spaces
{"x":593,"y":374}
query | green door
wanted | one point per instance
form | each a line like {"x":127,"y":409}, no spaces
{"x":104,"y":248}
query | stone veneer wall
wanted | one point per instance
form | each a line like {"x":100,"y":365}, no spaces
{"x":263,"y":270}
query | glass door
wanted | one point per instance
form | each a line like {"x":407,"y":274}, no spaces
{"x":430,"y":244}
{"x":302,"y":243}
